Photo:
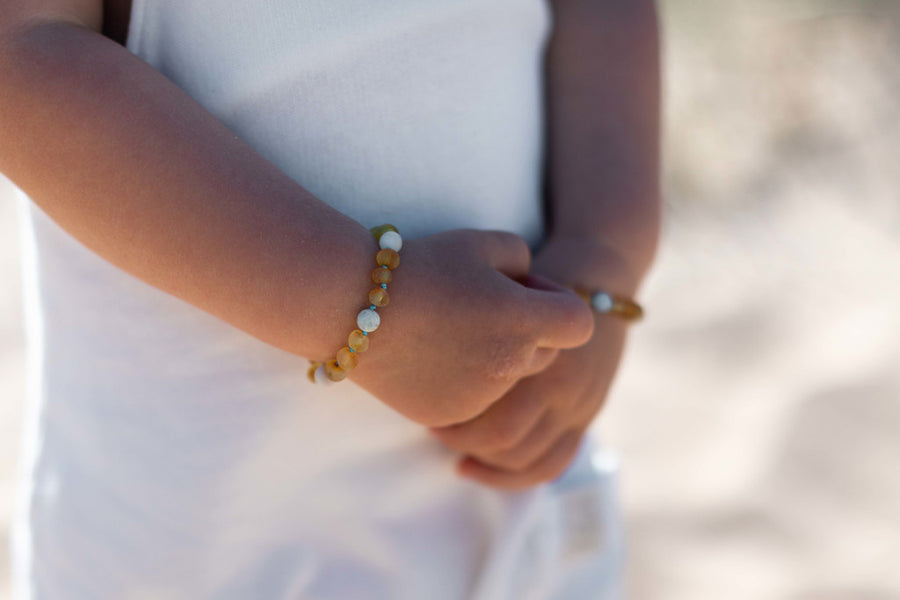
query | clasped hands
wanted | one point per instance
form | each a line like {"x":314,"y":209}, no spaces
{"x":488,"y":350}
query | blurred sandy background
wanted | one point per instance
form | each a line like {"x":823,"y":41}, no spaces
{"x":758,"y":410}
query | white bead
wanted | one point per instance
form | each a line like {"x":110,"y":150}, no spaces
{"x":368,"y":320}
{"x":602,"y":302}
{"x":390,"y":239}
{"x":320,"y":376}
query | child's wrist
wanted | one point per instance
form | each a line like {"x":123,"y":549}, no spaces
{"x":323,"y":288}
{"x":368,"y":319}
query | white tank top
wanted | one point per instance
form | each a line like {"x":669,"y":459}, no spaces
{"x":167,"y":454}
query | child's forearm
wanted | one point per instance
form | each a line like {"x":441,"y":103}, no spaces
{"x":603,"y":136}
{"x":141,"y":174}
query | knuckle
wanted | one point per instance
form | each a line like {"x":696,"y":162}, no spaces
{"x":449,"y":421}
{"x":518,"y":463}
{"x":467,"y":410}
{"x":518,"y":246}
{"x":512,"y":245}
{"x":505,"y":435}
{"x":543,"y":358}
{"x":514,"y":463}
{"x":527,"y":319}
{"x":511,"y":241}
{"x":505,"y":358}
{"x":582,"y":318}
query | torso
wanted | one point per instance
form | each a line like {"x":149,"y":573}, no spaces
{"x":116,"y":15}
{"x":224,"y":471}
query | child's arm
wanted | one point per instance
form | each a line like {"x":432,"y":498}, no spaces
{"x":603,"y":118}
{"x":144,"y":176}
{"x":604,"y":133}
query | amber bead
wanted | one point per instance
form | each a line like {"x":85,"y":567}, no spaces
{"x":347,"y":359}
{"x":381,"y":229}
{"x":628,"y":309}
{"x":379,"y":297}
{"x":311,"y":371}
{"x":333,"y":371}
{"x":388,"y":258}
{"x":382,"y":275}
{"x":605,"y":303}
{"x":358,"y":341}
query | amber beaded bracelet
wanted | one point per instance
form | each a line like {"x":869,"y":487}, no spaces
{"x":606,"y":303}
{"x":368,"y":319}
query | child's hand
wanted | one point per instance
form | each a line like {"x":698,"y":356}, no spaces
{"x":460,"y":331}
{"x":532,"y":434}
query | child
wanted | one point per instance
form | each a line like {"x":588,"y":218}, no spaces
{"x":196,"y":229}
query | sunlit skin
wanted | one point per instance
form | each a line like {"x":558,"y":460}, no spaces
{"x":603,"y":125}
{"x":140,"y":160}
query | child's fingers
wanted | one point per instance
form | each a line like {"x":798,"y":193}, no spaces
{"x":563,"y":319}
{"x":560,"y":318}
{"x":547,"y":468}
{"x":531,"y":447}
{"x":505,"y":252}
{"x":540,"y":360}
{"x":500,"y":427}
